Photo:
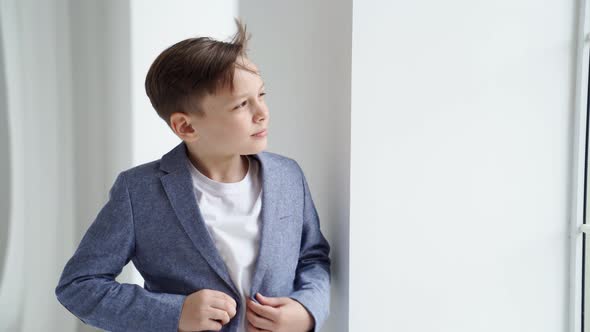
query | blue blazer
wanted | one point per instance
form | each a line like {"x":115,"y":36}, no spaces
{"x":152,"y":218}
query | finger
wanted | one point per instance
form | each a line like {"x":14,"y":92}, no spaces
{"x":219,"y":315}
{"x":252,"y":328}
{"x":268,"y":312}
{"x":213,"y":325}
{"x":224,"y":296}
{"x":271,"y":301}
{"x":222,"y":304}
{"x":259,"y":321}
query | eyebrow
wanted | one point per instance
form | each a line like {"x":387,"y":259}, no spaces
{"x":245,"y":94}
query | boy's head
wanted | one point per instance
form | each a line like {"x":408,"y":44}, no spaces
{"x":210,"y":94}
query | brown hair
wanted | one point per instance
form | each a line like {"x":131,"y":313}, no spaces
{"x":191,"y":68}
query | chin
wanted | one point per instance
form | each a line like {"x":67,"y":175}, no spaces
{"x":256,"y":149}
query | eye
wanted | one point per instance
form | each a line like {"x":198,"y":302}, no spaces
{"x":241,"y":105}
{"x":246,"y":101}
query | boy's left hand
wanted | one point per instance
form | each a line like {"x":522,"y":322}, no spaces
{"x":277,"y":314}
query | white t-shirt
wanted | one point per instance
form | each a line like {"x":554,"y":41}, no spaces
{"x":232,"y":214}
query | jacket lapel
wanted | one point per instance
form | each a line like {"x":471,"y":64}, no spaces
{"x":271,"y":189}
{"x":179,"y":189}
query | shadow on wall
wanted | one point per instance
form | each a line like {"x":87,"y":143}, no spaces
{"x":5,"y":187}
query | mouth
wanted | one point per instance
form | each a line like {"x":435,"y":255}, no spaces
{"x":260,"y":133}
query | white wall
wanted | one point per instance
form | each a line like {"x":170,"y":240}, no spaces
{"x":461,"y":139}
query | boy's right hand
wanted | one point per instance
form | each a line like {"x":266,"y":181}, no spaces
{"x":206,"y":309}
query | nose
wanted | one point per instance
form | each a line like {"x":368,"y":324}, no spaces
{"x":261,"y":112}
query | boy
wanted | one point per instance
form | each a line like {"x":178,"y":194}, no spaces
{"x":225,"y":235}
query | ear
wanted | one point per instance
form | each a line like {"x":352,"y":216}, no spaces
{"x":181,"y":124}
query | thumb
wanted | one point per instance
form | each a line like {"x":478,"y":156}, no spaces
{"x":271,"y":301}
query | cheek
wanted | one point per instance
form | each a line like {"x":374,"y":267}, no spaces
{"x":234,"y":129}
{"x":231,"y":125}
{"x":240,"y":127}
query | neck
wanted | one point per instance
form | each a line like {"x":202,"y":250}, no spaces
{"x":219,"y":167}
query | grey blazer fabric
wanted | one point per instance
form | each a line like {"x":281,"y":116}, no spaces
{"x":153,"y":219}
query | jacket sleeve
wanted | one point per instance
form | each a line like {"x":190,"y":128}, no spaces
{"x":312,"y":280}
{"x":87,"y":286}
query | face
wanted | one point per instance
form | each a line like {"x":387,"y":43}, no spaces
{"x":231,"y":119}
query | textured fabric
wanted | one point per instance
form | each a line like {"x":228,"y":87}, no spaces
{"x":153,"y":219}
{"x":231,"y":212}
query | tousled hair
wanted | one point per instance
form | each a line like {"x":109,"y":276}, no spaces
{"x":186,"y":71}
